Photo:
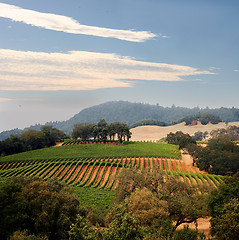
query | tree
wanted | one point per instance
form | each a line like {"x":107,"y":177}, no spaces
{"x":147,"y":207}
{"x":224,"y":206}
{"x":33,"y":139}
{"x":24,"y":235}
{"x":102,"y":130}
{"x":82,"y":130}
{"x":123,"y":225}
{"x":203,"y":117}
{"x":13,"y":209}
{"x":221,"y":156}
{"x":232,"y":132}
{"x":182,"y":204}
{"x":112,"y":130}
{"x":83,"y":230}
{"x":122,"y":131}
{"x":43,"y":208}
{"x":52,"y":134}
{"x":199,"y":136}
{"x":12,"y":145}
{"x":181,"y":139}
{"x":188,"y":234}
{"x":226,"y":225}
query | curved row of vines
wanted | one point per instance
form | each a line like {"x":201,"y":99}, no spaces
{"x":101,"y":173}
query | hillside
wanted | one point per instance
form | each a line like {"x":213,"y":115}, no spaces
{"x":153,"y":133}
{"x":131,"y":113}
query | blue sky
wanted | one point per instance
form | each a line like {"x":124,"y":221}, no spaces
{"x":58,"y":57}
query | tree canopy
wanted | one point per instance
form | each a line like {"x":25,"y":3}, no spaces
{"x":31,"y":139}
{"x":220,"y":156}
{"x":102,"y":131}
{"x":45,"y":209}
{"x":224,"y":205}
{"x":173,"y":199}
{"x":180,"y":138}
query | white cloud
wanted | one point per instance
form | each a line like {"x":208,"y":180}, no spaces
{"x":68,"y":25}
{"x":214,"y":68}
{"x":5,"y":100}
{"x":81,"y":70}
{"x":236,"y":70}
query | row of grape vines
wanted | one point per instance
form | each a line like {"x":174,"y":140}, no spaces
{"x":102,"y":173}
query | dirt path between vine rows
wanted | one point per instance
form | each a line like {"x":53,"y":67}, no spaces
{"x":187,"y":158}
{"x":203,"y":223}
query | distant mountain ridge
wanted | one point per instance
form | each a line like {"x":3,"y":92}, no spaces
{"x":130,"y":113}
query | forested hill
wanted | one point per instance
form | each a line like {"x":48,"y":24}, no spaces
{"x":131,"y":113}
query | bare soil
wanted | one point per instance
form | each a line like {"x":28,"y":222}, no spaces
{"x":189,"y":163}
{"x":203,"y":226}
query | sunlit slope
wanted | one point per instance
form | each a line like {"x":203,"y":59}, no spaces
{"x":153,"y":133}
{"x":100,"y":151}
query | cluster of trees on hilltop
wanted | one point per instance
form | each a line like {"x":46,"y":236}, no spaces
{"x":30,"y":140}
{"x":204,"y":118}
{"x":102,"y":131}
{"x":146,"y":122}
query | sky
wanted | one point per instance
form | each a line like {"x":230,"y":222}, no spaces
{"x":58,"y":57}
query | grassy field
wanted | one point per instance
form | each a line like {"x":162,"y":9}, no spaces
{"x":99,"y":151}
{"x":95,"y":198}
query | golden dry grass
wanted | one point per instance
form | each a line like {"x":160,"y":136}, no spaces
{"x":154,"y":133}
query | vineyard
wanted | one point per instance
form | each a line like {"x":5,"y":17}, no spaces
{"x":101,"y":173}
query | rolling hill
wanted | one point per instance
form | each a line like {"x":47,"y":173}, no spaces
{"x":131,"y":113}
{"x":154,"y":133}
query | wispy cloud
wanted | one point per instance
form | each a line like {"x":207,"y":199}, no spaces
{"x":214,"y":68}
{"x":81,"y":70}
{"x":69,"y":25}
{"x":5,"y":100}
{"x":236,"y":70}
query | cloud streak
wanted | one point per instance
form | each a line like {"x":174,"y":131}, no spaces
{"x":81,"y":70}
{"x":6,"y":100}
{"x":69,"y":25}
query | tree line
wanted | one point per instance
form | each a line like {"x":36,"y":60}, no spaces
{"x":102,"y":131}
{"x":203,"y":117}
{"x":30,"y":140}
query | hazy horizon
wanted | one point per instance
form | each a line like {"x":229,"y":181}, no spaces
{"x":69,"y":114}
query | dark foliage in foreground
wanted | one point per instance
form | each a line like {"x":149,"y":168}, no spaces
{"x":224,"y":206}
{"x":45,"y":209}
